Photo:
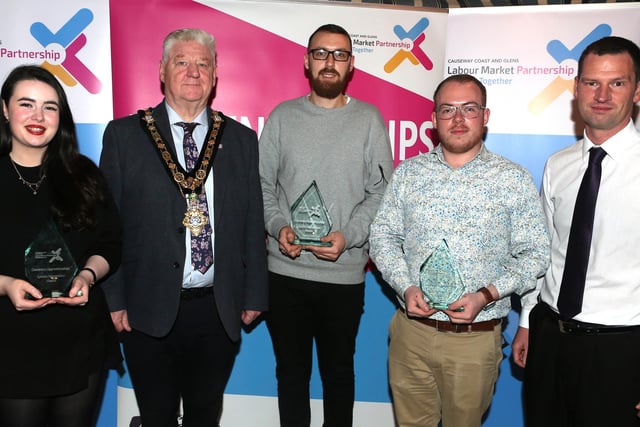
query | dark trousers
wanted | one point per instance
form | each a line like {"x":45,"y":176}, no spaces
{"x":580,"y":380}
{"x":193,"y":361}
{"x":301,"y":311}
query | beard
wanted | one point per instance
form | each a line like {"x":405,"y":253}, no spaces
{"x":329,"y":90}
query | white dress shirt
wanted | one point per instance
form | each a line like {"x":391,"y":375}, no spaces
{"x":192,"y":278}
{"x":612,"y":287}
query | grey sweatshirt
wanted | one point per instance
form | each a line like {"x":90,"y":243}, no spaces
{"x":347,"y":152}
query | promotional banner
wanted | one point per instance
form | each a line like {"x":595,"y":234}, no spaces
{"x":398,"y":57}
{"x":70,"y":39}
{"x":528,"y":58}
{"x":261,"y":46}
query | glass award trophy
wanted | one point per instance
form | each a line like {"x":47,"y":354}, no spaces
{"x":440,"y":280}
{"x":48,"y":263}
{"x":309,"y":218}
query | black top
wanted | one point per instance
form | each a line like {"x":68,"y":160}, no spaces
{"x":51,"y":351}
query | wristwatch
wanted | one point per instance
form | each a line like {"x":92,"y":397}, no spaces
{"x":491,"y":301}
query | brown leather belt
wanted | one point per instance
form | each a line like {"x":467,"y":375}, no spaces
{"x":443,"y":326}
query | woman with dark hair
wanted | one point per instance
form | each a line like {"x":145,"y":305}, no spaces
{"x":55,"y":348}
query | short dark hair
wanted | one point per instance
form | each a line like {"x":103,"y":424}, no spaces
{"x":612,"y":45}
{"x":332,"y":29}
{"x":463,"y":78}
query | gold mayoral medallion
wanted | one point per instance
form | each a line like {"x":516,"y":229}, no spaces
{"x":194,"y":218}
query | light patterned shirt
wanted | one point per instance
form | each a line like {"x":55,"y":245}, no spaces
{"x":489,"y":213}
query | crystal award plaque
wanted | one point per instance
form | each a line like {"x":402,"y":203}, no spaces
{"x":440,"y":280}
{"x":309,"y":218}
{"x":48,"y":263}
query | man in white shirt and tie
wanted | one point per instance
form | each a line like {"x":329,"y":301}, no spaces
{"x":581,"y":363}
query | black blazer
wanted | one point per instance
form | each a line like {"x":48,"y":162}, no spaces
{"x":148,"y":282}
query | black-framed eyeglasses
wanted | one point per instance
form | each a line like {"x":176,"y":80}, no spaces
{"x":470,"y":110}
{"x":321,"y":54}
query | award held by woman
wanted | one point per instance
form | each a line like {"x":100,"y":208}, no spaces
{"x":440,"y":279}
{"x":48,"y":263}
{"x":309,"y":218}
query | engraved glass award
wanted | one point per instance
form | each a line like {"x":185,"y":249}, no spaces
{"x":440,"y":280}
{"x":309,"y":218}
{"x":48,"y":263}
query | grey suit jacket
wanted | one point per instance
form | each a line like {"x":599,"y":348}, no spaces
{"x":148,"y":282}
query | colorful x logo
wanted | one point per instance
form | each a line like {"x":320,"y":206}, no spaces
{"x":560,"y":53}
{"x":415,"y":55}
{"x":71,"y":71}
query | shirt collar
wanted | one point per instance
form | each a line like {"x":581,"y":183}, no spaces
{"x":617,"y":145}
{"x":483,"y":154}
{"x":174,"y":117}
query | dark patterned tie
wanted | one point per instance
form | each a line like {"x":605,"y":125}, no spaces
{"x":577,"y":260}
{"x":201,"y":251}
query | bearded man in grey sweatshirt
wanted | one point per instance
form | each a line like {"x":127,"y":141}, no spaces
{"x":317,"y":291}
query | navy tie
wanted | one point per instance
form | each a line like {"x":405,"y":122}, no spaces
{"x":577,"y":259}
{"x":201,"y":251}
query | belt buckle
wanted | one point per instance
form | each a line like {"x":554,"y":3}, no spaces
{"x":462,"y":327}
{"x":561,"y":327}
{"x":441,"y":326}
{"x":568,"y":327}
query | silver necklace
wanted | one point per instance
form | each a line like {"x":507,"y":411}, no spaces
{"x":33,"y":186}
